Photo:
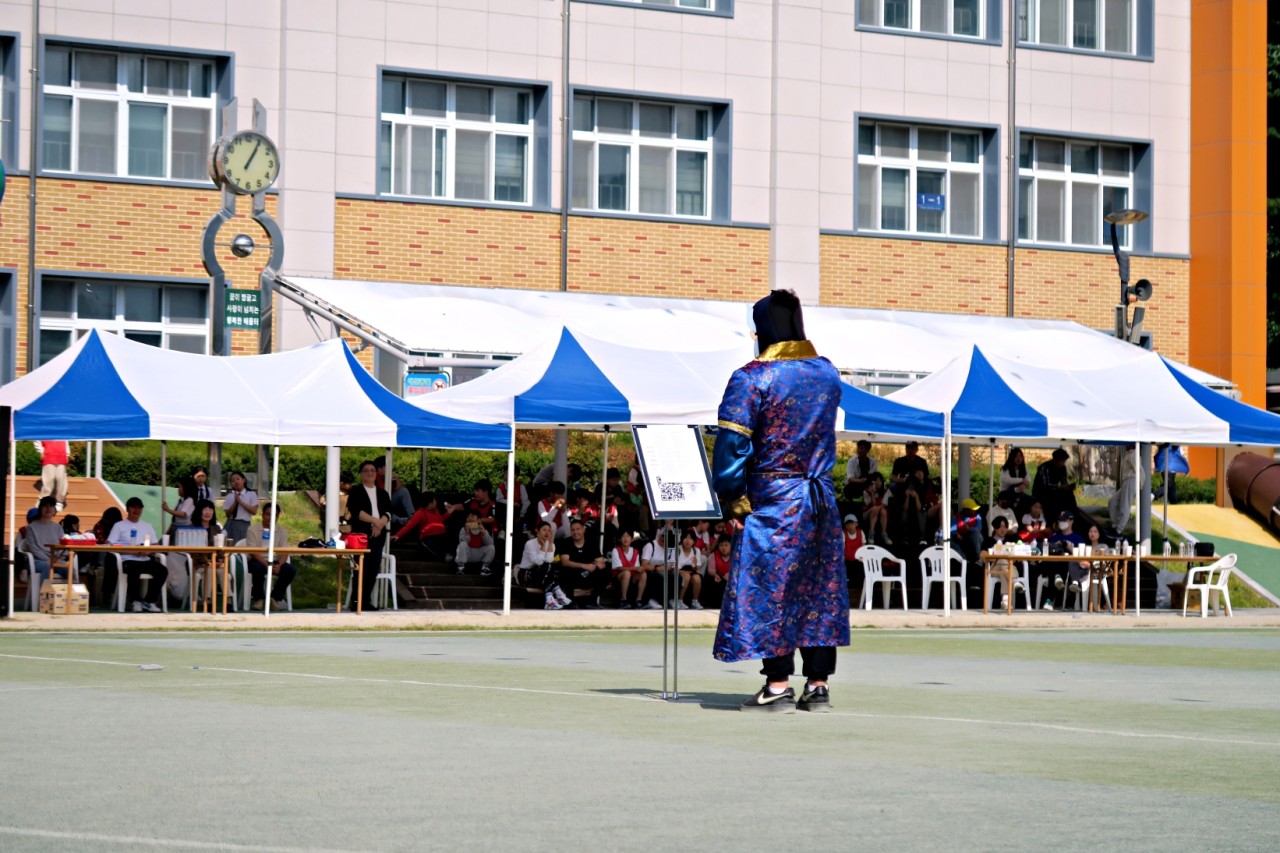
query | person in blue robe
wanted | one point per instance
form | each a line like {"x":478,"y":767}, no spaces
{"x":773,"y":460}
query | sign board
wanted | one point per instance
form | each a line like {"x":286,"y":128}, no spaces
{"x":243,"y":309}
{"x":416,"y":384}
{"x":931,"y":201}
{"x":677,"y":478}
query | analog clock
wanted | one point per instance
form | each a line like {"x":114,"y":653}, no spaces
{"x":247,"y":163}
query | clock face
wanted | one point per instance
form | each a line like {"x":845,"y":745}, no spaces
{"x":247,"y":163}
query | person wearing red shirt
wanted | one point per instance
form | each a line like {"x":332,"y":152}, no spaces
{"x":426,"y":525}
{"x":625,"y":562}
{"x":718,"y":562}
{"x":54,"y":456}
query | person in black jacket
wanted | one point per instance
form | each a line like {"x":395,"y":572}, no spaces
{"x":370,"y":511}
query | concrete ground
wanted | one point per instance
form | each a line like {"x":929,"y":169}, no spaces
{"x":974,"y":739}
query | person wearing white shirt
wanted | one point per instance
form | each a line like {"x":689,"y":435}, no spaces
{"x":133,"y":531}
{"x":240,"y":505}
{"x":537,"y":567}
{"x":625,"y":562}
{"x":690,"y":562}
{"x":653,"y":559}
{"x":1003,"y":509}
{"x":552,"y":510}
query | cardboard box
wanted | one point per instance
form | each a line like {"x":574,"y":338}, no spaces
{"x":53,"y":598}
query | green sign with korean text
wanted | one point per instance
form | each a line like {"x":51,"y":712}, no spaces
{"x":243,"y":308}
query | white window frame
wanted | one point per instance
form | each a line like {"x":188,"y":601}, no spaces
{"x":871,"y":13}
{"x":1035,"y":173}
{"x":634,"y":141}
{"x":450,"y":124}
{"x":700,"y":5}
{"x":122,"y":98}
{"x":1029,"y":13}
{"x":118,"y":325}
{"x":913,"y":163}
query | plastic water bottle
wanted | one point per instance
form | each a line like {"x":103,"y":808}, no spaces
{"x":1168,"y":549}
{"x":266,"y":535}
{"x":133,"y":536}
{"x":332,"y":542}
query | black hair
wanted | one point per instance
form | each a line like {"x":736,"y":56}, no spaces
{"x":556,"y":488}
{"x":1018,"y":469}
{"x":485,"y":484}
{"x":369,"y":462}
{"x":132,"y":502}
{"x":346,"y":477}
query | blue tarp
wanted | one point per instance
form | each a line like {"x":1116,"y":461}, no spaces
{"x":867,"y":413}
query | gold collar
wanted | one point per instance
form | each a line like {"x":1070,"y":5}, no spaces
{"x":788,"y":351}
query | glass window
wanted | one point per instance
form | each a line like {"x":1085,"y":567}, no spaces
{"x":94,"y":70}
{"x":56,"y":141}
{"x":1084,"y":213}
{"x":895,"y":141}
{"x":1068,"y":189}
{"x":963,"y":204}
{"x":614,"y":165}
{"x":691,"y":183}
{"x":57,"y":298}
{"x":1080,"y":24}
{"x":510,"y":162}
{"x":473,"y":103}
{"x":141,"y":303}
{"x":471,"y":165}
{"x":655,"y":177}
{"x":57,"y":66}
{"x":942,"y":17}
{"x":187,"y":343}
{"x":188,"y":305}
{"x":582,"y":171}
{"x":1049,"y":210}
{"x":931,"y":198}
{"x":146,"y":139}
{"x":428,"y":99}
{"x":53,"y":342}
{"x":159,"y":315}
{"x":893,"y":199}
{"x":613,"y":116}
{"x":192,"y":137}
{"x":96,"y":140}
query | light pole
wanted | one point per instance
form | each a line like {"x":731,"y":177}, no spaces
{"x":1140,"y":292}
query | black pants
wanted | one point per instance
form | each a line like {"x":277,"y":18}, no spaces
{"x":133,"y":569}
{"x":819,"y":662}
{"x":372,"y":565}
{"x":279,"y":586}
{"x":597,"y":581}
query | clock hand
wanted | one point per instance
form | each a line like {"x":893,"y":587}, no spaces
{"x":252,"y":154}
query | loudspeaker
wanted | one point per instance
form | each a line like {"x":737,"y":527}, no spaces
{"x":1205,"y":549}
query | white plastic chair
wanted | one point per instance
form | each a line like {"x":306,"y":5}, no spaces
{"x":1081,"y":596}
{"x":1212,"y":585}
{"x":122,"y":585}
{"x":33,"y":579}
{"x":384,"y":583}
{"x":872,"y":558}
{"x":1021,"y":582}
{"x":932,"y":571}
{"x":238,"y":568}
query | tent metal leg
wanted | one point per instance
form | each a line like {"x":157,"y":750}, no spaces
{"x":513,"y":504}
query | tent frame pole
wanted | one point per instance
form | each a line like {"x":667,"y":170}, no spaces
{"x":271,"y":543}
{"x":513,"y":504}
{"x":13,"y":529}
{"x":604,"y":491}
{"x":945,"y":527}
{"x":1137,"y":535}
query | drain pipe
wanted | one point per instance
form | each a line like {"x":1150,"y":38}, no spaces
{"x":566,"y":145}
{"x":33,"y":168}
{"x":1012,"y":147}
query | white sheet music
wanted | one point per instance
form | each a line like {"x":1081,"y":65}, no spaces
{"x":677,"y":478}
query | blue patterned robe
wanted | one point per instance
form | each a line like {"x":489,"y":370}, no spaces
{"x":776,"y":448}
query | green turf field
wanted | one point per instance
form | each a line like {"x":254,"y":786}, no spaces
{"x":955,"y":740}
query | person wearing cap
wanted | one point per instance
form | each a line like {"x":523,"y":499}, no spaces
{"x":1065,"y":538}
{"x":1052,"y":486}
{"x":773,"y":459}
{"x":1003,"y":509}
{"x":853,"y":539}
{"x":966,"y":531}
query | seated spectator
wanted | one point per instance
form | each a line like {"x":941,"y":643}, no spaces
{"x":905,"y":466}
{"x":1035,"y":527}
{"x":203,"y":515}
{"x":132,"y":530}
{"x":875,"y":499}
{"x":522,"y":500}
{"x":538,"y":567}
{"x":1052,"y":486}
{"x":475,"y":545}
{"x":552,"y":509}
{"x":426,"y":526}
{"x":1062,"y":541}
{"x":689,"y":563}
{"x":653,"y":559}
{"x":70,"y":525}
{"x":919,"y":502}
{"x":966,"y":532}
{"x":584,"y":510}
{"x":483,"y":505}
{"x":703,"y":539}
{"x":857,"y":474}
{"x":262,"y":533}
{"x":1002,"y":533}
{"x":582,"y":566}
{"x":181,"y":513}
{"x":625,"y":562}
{"x":1003,"y":509}
{"x":101,"y":530}
{"x":853,"y":540}
{"x":401,"y":502}
{"x":718,"y":563}
{"x":240,"y":505}
{"x":41,"y":538}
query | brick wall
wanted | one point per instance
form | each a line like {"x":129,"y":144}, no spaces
{"x":971,"y":279}
{"x":486,"y":247}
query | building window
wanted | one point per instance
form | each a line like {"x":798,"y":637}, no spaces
{"x":169,"y":316}
{"x":456,"y":140}
{"x":963,"y":18}
{"x":643,"y":157}
{"x":920,"y":180}
{"x":1111,"y":26}
{"x":8,"y":99}
{"x":1067,"y":186}
{"x":136,"y":115}
{"x":720,"y":6}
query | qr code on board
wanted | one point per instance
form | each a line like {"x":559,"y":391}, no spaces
{"x":670,"y":491}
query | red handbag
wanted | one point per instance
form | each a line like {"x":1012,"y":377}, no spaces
{"x":357,"y":541}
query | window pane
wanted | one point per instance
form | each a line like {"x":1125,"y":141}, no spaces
{"x":1113,"y":199}
{"x":56,"y":298}
{"x":1084,"y":159}
{"x":869,"y":12}
{"x":582,"y":183}
{"x":932,"y":144}
{"x":187,"y":343}
{"x":56,"y":147}
{"x":392,"y":95}
{"x":583,"y":115}
{"x":188,"y":305}
{"x":472,"y":103}
{"x":691,"y":183}
{"x":384,"y":158}
{"x":1024,"y":152}
{"x":963,"y":203}
{"x":146,"y":139}
{"x":511,"y":106}
{"x":95,"y":70}
{"x":190,"y":143}
{"x":442,"y":143}
{"x":141,"y":304}
{"x":57,"y":66}
{"x":964,"y":148}
{"x":95,"y":301}
{"x":1084,"y":214}
{"x":655,"y":172}
{"x":613,"y":116}
{"x":655,"y":120}
{"x":400,"y":156}
{"x":509,"y":168}
{"x":692,"y":123}
{"x":933,"y":16}
{"x":471,"y":165}
{"x":867,"y":197}
{"x":894,"y":141}
{"x":614,"y":164}
{"x":1115,"y":161}
{"x":1053,"y":22}
{"x":1024,"y":208}
{"x":893,"y":200}
{"x":420,"y":167}
{"x":930,"y":195}
{"x":96,"y":141}
{"x":201,"y":80}
{"x":1086,"y":24}
{"x":53,"y":343}
{"x":132,"y":72}
{"x":1049,"y":211}
{"x":867,"y":139}
{"x":428,"y":99}
{"x":151,"y":339}
{"x":966,"y":21}
{"x":897,"y":13}
{"x":157,"y":81}
{"x":1051,"y":154}
{"x":1119,"y":15}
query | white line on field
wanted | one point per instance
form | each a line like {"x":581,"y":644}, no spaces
{"x":163,"y":843}
{"x":1058,"y":727}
